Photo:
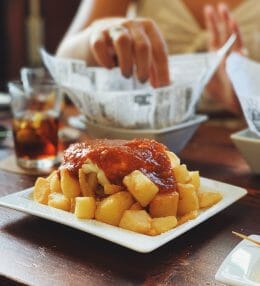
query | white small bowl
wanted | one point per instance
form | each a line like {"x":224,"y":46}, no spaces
{"x":174,"y":137}
{"x":249,"y":146}
{"x":241,"y":266}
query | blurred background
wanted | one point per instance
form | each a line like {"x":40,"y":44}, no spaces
{"x":27,"y":24}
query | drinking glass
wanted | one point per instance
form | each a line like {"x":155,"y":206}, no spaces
{"x":36,"y":113}
{"x":33,"y":76}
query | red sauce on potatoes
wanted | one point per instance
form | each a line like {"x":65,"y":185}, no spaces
{"x":118,"y":158}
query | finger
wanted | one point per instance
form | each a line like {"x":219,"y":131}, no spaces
{"x":159,"y":52}
{"x":224,"y":16}
{"x":238,"y":45}
{"x":101,"y":51}
{"x":153,"y":76}
{"x":122,"y":44}
{"x":211,"y":22}
{"x":142,"y":51}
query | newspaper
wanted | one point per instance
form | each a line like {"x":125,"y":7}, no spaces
{"x":244,"y":75}
{"x":106,"y":97}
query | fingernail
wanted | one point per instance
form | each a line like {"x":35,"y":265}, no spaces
{"x":208,"y":7}
{"x":128,"y":73}
{"x":223,"y":6}
{"x":143,"y":80}
{"x":111,"y":66}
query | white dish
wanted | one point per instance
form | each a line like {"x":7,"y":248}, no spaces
{"x":5,"y":99}
{"x":249,"y":146}
{"x":242,"y":266}
{"x":174,"y":137}
{"x":23,"y":201}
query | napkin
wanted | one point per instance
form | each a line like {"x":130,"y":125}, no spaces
{"x":8,"y":164}
{"x":244,"y":75}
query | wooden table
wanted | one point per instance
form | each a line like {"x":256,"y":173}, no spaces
{"x":35,"y":251}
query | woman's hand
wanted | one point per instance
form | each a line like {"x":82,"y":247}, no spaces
{"x":221,"y":25}
{"x":127,"y":43}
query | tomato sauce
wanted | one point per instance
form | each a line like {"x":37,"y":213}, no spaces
{"x":118,"y":158}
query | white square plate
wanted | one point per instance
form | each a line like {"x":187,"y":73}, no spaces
{"x":23,"y":201}
{"x":242,"y":266}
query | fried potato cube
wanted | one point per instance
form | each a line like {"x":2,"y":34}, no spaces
{"x":164,"y":204}
{"x":208,"y":199}
{"x":88,"y":183}
{"x":90,"y":167}
{"x":110,"y":189}
{"x":136,"y":220}
{"x":55,"y":185}
{"x":85,"y":207}
{"x":136,"y":206}
{"x":102,"y":179}
{"x":181,"y":174}
{"x":163,"y":224}
{"x":59,"y":201}
{"x":111,"y":209}
{"x":189,"y":216}
{"x":195,"y":179}
{"x":174,"y":159}
{"x":69,"y":184}
{"x":188,"y":199}
{"x":41,"y":190}
{"x":141,"y":187}
{"x":51,"y":175}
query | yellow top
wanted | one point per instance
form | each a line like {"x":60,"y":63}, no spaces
{"x":183,"y":33}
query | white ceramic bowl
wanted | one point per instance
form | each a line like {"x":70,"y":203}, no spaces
{"x":249,"y":146}
{"x":174,"y":137}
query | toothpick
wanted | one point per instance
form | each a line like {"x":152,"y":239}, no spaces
{"x":246,"y":237}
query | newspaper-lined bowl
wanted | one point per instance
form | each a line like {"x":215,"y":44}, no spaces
{"x":105,"y":97}
{"x":134,"y":106}
{"x":108,"y":98}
